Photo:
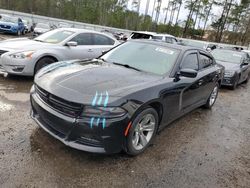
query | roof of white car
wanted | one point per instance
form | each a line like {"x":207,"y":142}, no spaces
{"x":77,"y":30}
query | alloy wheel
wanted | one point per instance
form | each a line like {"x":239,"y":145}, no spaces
{"x":213,"y":96}
{"x":143,"y":131}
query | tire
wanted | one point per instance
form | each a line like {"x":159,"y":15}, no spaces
{"x":212,"y":97}
{"x":19,"y":33}
{"x":235,"y":83}
{"x":42,"y":63}
{"x":142,"y":131}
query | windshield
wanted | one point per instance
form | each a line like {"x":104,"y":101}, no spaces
{"x":143,"y":56}
{"x":5,"y":18}
{"x":43,"y":26}
{"x":54,"y":36}
{"x":227,"y":56}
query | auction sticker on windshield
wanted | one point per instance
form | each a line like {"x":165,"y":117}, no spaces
{"x":164,"y":50}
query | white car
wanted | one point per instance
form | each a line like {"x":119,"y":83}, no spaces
{"x":23,"y":56}
{"x":41,"y":28}
{"x":247,"y":51}
{"x":152,"y":35}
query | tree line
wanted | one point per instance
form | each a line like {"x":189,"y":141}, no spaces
{"x":230,"y":24}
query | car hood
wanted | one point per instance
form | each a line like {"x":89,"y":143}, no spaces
{"x":228,"y":65}
{"x":80,"y":81}
{"x":9,"y":24}
{"x":21,"y":44}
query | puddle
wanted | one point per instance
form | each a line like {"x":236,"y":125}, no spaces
{"x":5,"y":107}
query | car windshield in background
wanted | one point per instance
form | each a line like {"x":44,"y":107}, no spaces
{"x":227,"y":56}
{"x":54,"y":37}
{"x":143,"y":56}
{"x":43,"y":26}
{"x":9,"y":19}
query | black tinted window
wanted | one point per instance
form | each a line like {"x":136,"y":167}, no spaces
{"x":190,"y":62}
{"x":205,"y":61}
{"x":83,"y":39}
{"x":102,"y":40}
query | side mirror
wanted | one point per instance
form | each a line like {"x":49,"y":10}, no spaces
{"x":71,"y":43}
{"x":244,"y":63}
{"x":189,"y":73}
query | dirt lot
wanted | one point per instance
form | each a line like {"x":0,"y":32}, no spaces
{"x":206,"y":148}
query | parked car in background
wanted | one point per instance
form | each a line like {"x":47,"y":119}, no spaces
{"x":237,"y":66}
{"x":152,"y":35}
{"x":199,"y":44}
{"x":11,"y":25}
{"x":247,"y":51}
{"x":120,"y":100}
{"x":28,"y":24}
{"x":26,"y":56}
{"x":63,"y":25}
{"x":41,"y":28}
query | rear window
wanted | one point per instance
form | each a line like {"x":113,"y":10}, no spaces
{"x":140,"y":36}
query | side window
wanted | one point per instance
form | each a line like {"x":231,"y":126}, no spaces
{"x":168,"y":40}
{"x":205,"y":61}
{"x":190,"y":62}
{"x":102,"y":40}
{"x":83,"y":39}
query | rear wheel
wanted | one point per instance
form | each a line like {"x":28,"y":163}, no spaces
{"x":213,"y":96}
{"x":43,"y":62}
{"x":142,"y":132}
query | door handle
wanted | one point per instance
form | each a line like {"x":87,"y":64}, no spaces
{"x":90,"y":50}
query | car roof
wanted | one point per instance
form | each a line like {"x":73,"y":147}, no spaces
{"x":78,"y":30}
{"x":169,"y":45}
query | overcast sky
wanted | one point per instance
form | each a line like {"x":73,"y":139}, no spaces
{"x":183,"y":13}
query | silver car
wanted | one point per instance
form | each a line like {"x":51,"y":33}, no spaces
{"x":25,"y":57}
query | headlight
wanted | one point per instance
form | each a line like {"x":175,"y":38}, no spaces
{"x":104,"y":112}
{"x":22,"y":55}
{"x":229,"y":73}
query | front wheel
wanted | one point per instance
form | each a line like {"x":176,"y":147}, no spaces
{"x":213,"y":96}
{"x":142,"y":131}
{"x":43,"y":62}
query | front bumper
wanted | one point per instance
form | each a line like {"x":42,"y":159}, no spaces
{"x":77,"y":133}
{"x":228,"y":81}
{"x":24,"y":67}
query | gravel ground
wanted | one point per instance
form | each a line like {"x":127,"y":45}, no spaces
{"x":205,"y":148}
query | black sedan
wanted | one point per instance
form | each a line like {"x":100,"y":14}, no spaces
{"x":120,"y":100}
{"x":237,"y":66}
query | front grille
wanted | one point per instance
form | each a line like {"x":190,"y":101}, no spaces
{"x":89,"y":142}
{"x":65,"y":107}
{"x":5,"y":26}
{"x":2,"y":52}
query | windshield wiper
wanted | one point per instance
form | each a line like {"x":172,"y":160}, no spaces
{"x":127,"y":66}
